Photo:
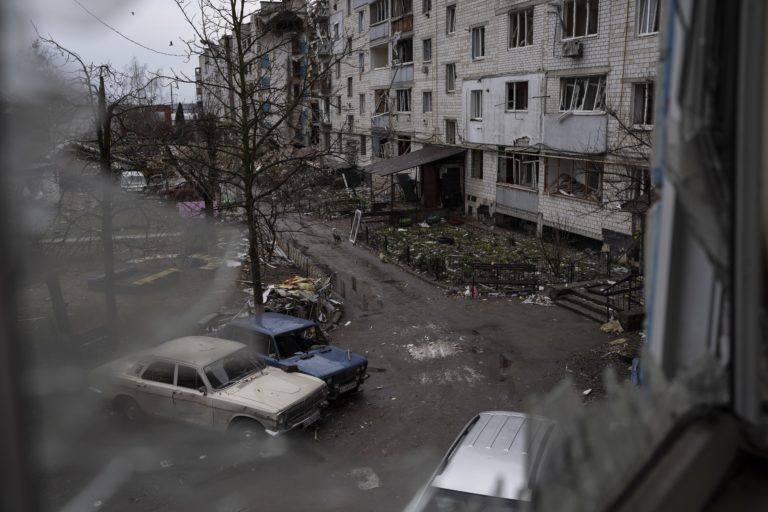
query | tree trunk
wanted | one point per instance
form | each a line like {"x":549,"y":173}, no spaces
{"x":104,"y":136}
{"x":253,"y":252}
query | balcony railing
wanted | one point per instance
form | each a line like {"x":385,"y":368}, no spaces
{"x":402,"y":73}
{"x":517,"y":202}
{"x":379,"y":31}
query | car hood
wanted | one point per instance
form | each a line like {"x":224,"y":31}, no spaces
{"x":325,"y":362}
{"x":271,"y":390}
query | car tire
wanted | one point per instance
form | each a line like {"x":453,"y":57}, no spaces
{"x":128,"y":409}
{"x":246,"y":429}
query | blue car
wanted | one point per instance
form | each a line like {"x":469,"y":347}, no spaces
{"x":295,"y":344}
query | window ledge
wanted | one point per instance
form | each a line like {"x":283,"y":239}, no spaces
{"x":476,"y":119}
{"x":642,"y":127}
{"x":576,"y":38}
{"x":516,"y":111}
{"x":583,"y":112}
{"x":509,"y":48}
{"x":379,"y":23}
{"x":648,"y":34}
{"x":478,"y":58}
{"x":558,"y":195}
{"x":517,"y":187}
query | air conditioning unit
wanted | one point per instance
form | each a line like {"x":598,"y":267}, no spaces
{"x":425,"y":69}
{"x":573,"y":49}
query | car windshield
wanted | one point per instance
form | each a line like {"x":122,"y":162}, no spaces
{"x":234,"y":367}
{"x":299,"y":341}
{"x":444,"y":500}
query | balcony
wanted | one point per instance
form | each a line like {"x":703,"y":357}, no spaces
{"x":517,"y":202}
{"x":403,"y":25}
{"x":378,"y":31}
{"x":380,"y":121}
{"x":402,"y":73}
{"x":379,"y":78}
{"x":579,"y":132}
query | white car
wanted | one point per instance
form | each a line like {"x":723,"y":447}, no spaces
{"x":210,"y":382}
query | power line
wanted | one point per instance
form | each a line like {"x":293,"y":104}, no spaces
{"x":113,"y":29}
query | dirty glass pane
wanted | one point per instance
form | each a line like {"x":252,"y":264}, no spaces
{"x":159,"y":372}
{"x":188,"y":377}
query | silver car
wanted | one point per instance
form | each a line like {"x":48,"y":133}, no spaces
{"x":209,"y":382}
{"x":490,"y":467}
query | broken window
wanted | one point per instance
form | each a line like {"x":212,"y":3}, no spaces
{"x":450,"y":131}
{"x":379,"y":11}
{"x":381,"y":99}
{"x":403,"y":144}
{"x":478,"y":42}
{"x":517,"y":95}
{"x":518,"y":169}
{"x":581,"y":179}
{"x":403,"y":51}
{"x":476,"y":168}
{"x":403,"y":100}
{"x":521,"y":28}
{"x":648,"y":16}
{"x":379,"y":56}
{"x":450,"y":77}
{"x":450,"y":19}
{"x":582,"y":93}
{"x":579,"y":18}
{"x":642,"y":104}
{"x":426,"y":101}
{"x":476,"y":105}
{"x":380,"y":147}
{"x":427,"y":50}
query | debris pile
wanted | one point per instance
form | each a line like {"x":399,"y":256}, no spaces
{"x":305,"y":298}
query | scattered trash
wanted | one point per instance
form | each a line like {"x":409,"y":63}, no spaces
{"x":612,"y":327}
{"x":423,"y":225}
{"x":203,"y":456}
{"x":365,"y":478}
{"x":394,"y":398}
{"x":166,"y":463}
{"x":586,"y":392}
{"x":539,"y":300}
{"x":618,"y":341}
{"x":97,"y":504}
{"x":347,"y":323}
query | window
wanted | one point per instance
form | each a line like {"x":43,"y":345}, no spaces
{"x":579,"y":18}
{"x":426,"y":101}
{"x":159,"y":372}
{"x":427,"y":50}
{"x":361,"y":21}
{"x":478,"y":42}
{"x":379,"y":56}
{"x":426,"y":5}
{"x":340,"y":142}
{"x":403,"y":100}
{"x":582,"y":93}
{"x":450,"y":19}
{"x":450,"y":77}
{"x":450,"y":131}
{"x":476,"y":105}
{"x":349,"y":44}
{"x":521,"y":28}
{"x":380,"y":147}
{"x":638,"y":182}
{"x":362,"y":103}
{"x":327,"y":141}
{"x":574,"y":178}
{"x":381,"y":101}
{"x":350,"y":122}
{"x":403,"y":51}
{"x":361,"y":62}
{"x":401,"y":7}
{"x":338,"y":105}
{"x":349,"y":87}
{"x":477,"y":163}
{"x":518,"y":169}
{"x":648,"y":16}
{"x":379,"y":11}
{"x":403,"y":144}
{"x":363,"y":145}
{"x":338,"y":69}
{"x":188,"y":377}
{"x":335,"y":31}
{"x":349,"y":7}
{"x":517,"y":95}
{"x":642,"y":104}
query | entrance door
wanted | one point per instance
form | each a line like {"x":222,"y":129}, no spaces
{"x":431,"y":178}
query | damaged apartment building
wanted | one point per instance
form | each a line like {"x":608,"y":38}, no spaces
{"x":540,"y":111}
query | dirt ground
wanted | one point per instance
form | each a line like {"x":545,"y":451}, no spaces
{"x":435,"y":360}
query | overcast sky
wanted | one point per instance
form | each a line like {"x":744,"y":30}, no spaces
{"x":153,"y":23}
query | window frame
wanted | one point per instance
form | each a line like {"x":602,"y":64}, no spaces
{"x":576,"y":93}
{"x":361,"y":62}
{"x":426,"y":44}
{"x":586,"y":33}
{"x":511,"y":85}
{"x":598,"y":170}
{"x":477,"y":38}
{"x":639,"y":17}
{"x":450,"y":135}
{"x":199,"y":379}
{"x":525,"y":14}
{"x":649,"y":89}
{"x":448,"y":67}
{"x":476,"y":105}
{"x":363,"y":145}
{"x":158,"y":362}
{"x":519,"y":162}
{"x":403,"y":97}
{"x":398,"y":47}
{"x":361,"y":102}
{"x":383,"y":12}
{"x":450,"y":19}
{"x":350,"y":87}
{"x":475,"y":170}
{"x":425,"y":102}
{"x":361,"y":21}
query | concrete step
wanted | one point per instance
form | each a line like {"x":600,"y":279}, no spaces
{"x":587,"y":296}
{"x":582,"y":307}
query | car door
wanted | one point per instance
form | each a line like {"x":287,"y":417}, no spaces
{"x":190,"y":399}
{"x":154,"y":389}
{"x":260,"y":343}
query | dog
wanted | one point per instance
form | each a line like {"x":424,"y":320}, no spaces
{"x":336,"y":237}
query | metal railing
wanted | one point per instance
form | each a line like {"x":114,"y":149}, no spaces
{"x":624,"y":294}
